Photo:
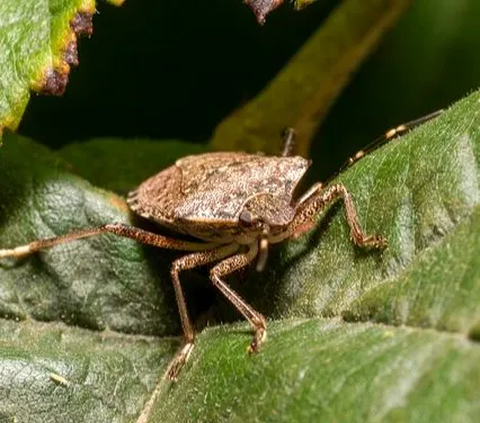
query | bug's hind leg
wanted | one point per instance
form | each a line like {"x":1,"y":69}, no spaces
{"x":228,"y":266}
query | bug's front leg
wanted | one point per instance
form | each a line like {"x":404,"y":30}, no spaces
{"x":184,"y":263}
{"x":228,"y":266}
{"x":318,"y":199}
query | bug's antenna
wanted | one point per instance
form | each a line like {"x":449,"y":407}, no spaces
{"x":388,"y":136}
{"x":385,"y":138}
{"x":288,"y":136}
{"x":262,"y":250}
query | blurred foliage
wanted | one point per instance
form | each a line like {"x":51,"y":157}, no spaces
{"x":301,"y":94}
{"x":175,"y":69}
{"x":426,"y":63}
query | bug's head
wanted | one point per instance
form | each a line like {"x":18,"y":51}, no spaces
{"x":261,"y":215}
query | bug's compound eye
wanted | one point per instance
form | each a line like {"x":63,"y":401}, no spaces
{"x":246,"y":218}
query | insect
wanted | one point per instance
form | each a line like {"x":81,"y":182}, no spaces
{"x":234,"y":204}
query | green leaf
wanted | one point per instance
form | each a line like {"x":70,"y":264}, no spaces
{"x":303,"y":92}
{"x":359,"y":335}
{"x":38,"y":41}
{"x":101,"y":282}
{"x":53,"y":373}
{"x":317,"y":370}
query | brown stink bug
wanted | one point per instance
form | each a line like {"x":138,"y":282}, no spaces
{"x":235,"y":205}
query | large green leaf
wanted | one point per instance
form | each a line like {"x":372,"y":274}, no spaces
{"x":41,"y":199}
{"x":359,"y":335}
{"x":327,"y":370}
{"x":54,"y":373}
{"x":38,"y":45}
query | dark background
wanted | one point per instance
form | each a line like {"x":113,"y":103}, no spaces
{"x":175,"y":69}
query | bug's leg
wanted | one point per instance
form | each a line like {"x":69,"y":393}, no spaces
{"x":288,"y":137}
{"x":126,"y":231}
{"x":228,"y":266}
{"x":319,"y":199}
{"x":184,"y":263}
